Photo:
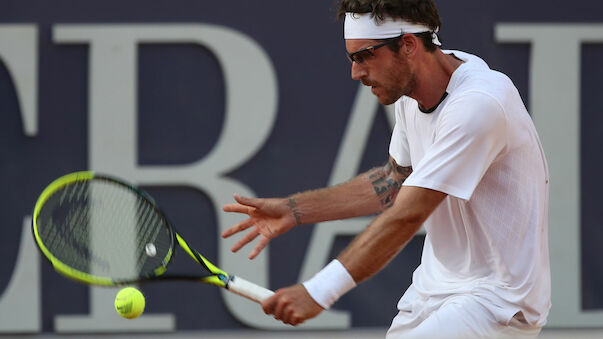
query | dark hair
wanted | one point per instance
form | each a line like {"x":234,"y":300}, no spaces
{"x":416,"y":11}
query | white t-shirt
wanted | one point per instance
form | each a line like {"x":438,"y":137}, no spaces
{"x":489,"y":237}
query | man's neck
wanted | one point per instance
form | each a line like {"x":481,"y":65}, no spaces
{"x":433,"y":76}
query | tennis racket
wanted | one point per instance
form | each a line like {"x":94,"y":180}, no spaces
{"x":100,"y":230}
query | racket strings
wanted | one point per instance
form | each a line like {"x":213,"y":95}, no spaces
{"x":63,"y":236}
{"x":139,"y":223}
{"x":105,"y":229}
{"x":150,"y":226}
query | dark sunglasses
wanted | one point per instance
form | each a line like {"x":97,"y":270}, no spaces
{"x":365,"y":53}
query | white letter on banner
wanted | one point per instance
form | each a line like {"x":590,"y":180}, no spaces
{"x":251,"y":100}
{"x":20,"y":302}
{"x":19,"y":52}
{"x":555,"y":108}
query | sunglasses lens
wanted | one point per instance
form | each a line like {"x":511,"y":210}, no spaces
{"x":360,"y":56}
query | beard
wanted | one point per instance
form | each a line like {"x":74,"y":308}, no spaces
{"x":398,"y":81}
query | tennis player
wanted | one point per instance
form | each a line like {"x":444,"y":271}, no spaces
{"x":465,"y":162}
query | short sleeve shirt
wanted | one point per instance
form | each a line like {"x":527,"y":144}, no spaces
{"x":489,"y":237}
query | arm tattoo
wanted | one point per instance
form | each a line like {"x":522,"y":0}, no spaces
{"x":387,"y":181}
{"x":296,"y":213}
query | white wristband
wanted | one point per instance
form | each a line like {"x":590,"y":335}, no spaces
{"x":329,"y":284}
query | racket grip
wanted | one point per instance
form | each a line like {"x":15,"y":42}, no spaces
{"x":248,"y":289}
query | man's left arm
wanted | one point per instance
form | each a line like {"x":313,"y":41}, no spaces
{"x":366,"y":255}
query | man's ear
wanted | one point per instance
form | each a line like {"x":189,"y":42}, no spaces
{"x":409,"y":43}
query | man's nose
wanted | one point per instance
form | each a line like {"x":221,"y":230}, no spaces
{"x":358,"y":71}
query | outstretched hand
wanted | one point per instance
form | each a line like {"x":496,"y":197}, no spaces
{"x":268,"y":219}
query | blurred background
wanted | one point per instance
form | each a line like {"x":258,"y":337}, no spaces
{"x":196,"y":100}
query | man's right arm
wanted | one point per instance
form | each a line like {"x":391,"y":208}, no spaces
{"x":368,"y":193}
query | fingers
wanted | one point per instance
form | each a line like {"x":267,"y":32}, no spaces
{"x":241,"y":226}
{"x":238,"y":208}
{"x":245,"y":240}
{"x":283,"y":308}
{"x":277,"y":305}
{"x":279,"y":308}
{"x":259,"y":247}
{"x":292,"y":319}
{"x":248,"y":206}
{"x":243,"y":205}
{"x":247,"y":201}
{"x":249,"y":237}
{"x":269,"y":304}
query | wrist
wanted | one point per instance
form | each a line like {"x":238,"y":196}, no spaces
{"x":329,"y":284}
{"x":296,"y":214}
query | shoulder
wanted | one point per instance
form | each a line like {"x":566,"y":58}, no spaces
{"x":467,"y":58}
{"x":474,"y":104}
{"x":474,"y":111}
{"x":489,"y":82}
{"x":474,"y":75}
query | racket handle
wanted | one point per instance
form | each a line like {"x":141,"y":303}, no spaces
{"x":248,"y":289}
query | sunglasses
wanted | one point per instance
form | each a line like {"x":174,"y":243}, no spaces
{"x":365,"y":53}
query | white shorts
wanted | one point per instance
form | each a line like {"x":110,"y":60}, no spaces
{"x":459,"y":316}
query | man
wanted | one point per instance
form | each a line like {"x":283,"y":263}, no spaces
{"x":465,"y":162}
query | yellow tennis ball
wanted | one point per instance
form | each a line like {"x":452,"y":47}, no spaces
{"x":129,"y":303}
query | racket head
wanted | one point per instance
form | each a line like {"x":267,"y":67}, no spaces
{"x":100,"y":230}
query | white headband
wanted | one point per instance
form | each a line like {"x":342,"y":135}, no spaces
{"x":364,"y":26}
